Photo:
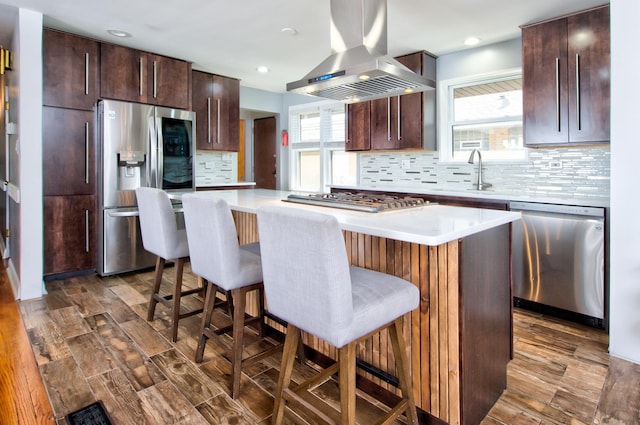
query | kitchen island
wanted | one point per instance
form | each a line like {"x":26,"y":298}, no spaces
{"x":459,"y":338}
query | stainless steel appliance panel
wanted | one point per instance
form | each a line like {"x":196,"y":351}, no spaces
{"x":122,"y":245}
{"x":128,"y":154}
{"x":558,"y":257}
{"x":122,"y":249}
{"x":133,"y":140}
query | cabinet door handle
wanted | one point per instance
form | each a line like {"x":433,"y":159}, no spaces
{"x":141,"y":75}
{"x":86,"y":73}
{"x":155,"y":80}
{"x":578,"y":103}
{"x":86,"y":230}
{"x":209,"y":120}
{"x":558,"y":94}
{"x":218,"y":128}
{"x":86,"y":153}
{"x":388,"y":118}
{"x":399,"y":121}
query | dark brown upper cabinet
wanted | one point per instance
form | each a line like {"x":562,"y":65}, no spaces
{"x":216,"y":102}
{"x":566,"y":80}
{"x":70,"y":70}
{"x":397,"y":122}
{"x":136,"y":76}
{"x":358,"y":127}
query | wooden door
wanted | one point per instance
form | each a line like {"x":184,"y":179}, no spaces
{"x":241,"y":152}
{"x":589,"y":76}
{"x":70,"y":70}
{"x":264,"y":152}
{"x":381,"y":130}
{"x":544,"y":90}
{"x":69,"y":166}
{"x":69,"y":233}
{"x":123,"y":73}
{"x":410,"y":114}
{"x":358,"y":127}
{"x":226,"y":113}
{"x":202,"y":96}
{"x":168,"y":82}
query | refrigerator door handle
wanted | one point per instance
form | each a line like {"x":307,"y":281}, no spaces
{"x":158,"y":149}
{"x":154,"y":170}
{"x":123,"y":213}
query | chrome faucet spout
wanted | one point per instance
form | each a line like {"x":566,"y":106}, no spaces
{"x":480,"y":185}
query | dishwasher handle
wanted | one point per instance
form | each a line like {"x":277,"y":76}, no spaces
{"x":557,"y":209}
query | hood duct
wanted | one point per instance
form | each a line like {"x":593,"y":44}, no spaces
{"x":359,"y":67}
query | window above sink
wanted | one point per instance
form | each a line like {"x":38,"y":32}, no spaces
{"x":482,"y":112}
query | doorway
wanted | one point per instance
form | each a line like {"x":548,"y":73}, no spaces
{"x":264,"y":157}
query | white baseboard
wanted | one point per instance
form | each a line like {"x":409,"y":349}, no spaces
{"x":14,"y":279}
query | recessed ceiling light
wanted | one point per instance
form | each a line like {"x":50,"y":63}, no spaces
{"x":289,"y":31}
{"x":263,"y":69}
{"x":119,"y":33}
{"x":471,"y":41}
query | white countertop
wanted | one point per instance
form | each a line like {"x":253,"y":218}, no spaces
{"x":489,"y":194}
{"x":428,"y":225}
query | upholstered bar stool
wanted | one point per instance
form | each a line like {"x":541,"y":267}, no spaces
{"x":161,"y":236}
{"x":310,"y":284}
{"x":218,"y":258}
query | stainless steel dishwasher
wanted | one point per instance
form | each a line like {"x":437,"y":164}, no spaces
{"x":559,"y":261}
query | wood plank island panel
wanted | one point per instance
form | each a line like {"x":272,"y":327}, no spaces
{"x":458,"y":339}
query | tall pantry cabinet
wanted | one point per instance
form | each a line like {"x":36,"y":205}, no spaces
{"x":70,"y":92}
{"x":566,"y":79}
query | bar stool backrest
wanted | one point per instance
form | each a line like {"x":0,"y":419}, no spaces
{"x":213,"y":243}
{"x":305,"y":269}
{"x":158,"y":224}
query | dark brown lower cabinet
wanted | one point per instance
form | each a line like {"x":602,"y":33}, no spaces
{"x":69,"y":233}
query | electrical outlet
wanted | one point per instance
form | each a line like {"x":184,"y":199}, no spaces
{"x":555,"y":164}
{"x":406,"y":164}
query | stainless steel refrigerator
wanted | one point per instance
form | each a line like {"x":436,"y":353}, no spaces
{"x":140,"y":145}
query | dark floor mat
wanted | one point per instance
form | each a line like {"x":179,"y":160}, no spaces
{"x":93,"y":414}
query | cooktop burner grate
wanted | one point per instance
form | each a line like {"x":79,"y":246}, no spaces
{"x":358,"y":201}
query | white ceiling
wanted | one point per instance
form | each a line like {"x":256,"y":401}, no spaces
{"x":234,"y":37}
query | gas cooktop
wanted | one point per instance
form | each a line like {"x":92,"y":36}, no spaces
{"x":359,"y":201}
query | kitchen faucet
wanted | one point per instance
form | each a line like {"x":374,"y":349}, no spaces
{"x":480,"y":185}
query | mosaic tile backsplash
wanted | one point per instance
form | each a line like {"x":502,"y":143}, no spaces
{"x":583,"y":172}
{"x":216,"y":167}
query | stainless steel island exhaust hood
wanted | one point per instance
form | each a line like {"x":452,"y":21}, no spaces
{"x":359,"y":67}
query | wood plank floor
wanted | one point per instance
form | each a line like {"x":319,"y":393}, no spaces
{"x":91,"y":342}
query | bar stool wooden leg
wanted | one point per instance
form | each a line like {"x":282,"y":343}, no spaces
{"x":157,"y":280}
{"x":402,"y":367}
{"x":286,"y":368}
{"x":209,"y":302}
{"x":239,"y":301}
{"x":347,"y":378}
{"x":177,"y":294}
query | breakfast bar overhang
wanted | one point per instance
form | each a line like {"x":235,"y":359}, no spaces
{"x":460,"y":337}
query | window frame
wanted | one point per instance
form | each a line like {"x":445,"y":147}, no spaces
{"x":324,"y":148}
{"x":446,"y":112}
